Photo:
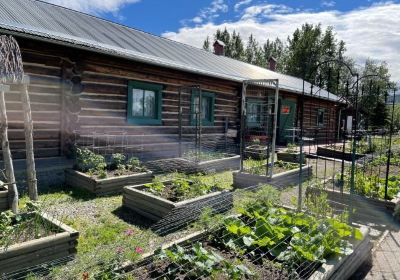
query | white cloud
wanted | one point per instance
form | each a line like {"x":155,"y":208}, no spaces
{"x":371,"y":32}
{"x":208,"y":14}
{"x":328,"y":3}
{"x":258,"y":12}
{"x":93,"y":6}
{"x":241,"y":3}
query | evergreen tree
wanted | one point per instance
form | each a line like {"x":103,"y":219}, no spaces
{"x":206,"y":44}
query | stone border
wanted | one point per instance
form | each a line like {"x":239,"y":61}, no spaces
{"x":291,"y":157}
{"x":331,"y":153}
{"x":334,"y":268}
{"x":34,"y":252}
{"x":357,"y":201}
{"x":169,"y":215}
{"x":105,"y":186}
{"x":281,"y":180}
{"x":4,"y":204}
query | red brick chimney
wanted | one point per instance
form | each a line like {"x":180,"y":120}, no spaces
{"x":219,"y":47}
{"x":272,"y":63}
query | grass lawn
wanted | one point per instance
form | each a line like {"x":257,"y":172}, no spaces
{"x":109,"y":234}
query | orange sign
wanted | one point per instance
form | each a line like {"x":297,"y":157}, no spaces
{"x":285,"y":110}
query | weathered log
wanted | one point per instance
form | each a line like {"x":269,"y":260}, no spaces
{"x":5,"y":146}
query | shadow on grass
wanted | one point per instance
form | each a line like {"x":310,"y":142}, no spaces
{"x":131,"y":217}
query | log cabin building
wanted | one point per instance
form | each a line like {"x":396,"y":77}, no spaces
{"x":90,"y":76}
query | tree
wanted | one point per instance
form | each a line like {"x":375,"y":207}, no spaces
{"x":206,"y":44}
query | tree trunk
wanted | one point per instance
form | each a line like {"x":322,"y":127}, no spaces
{"x":30,"y":157}
{"x":5,"y":145}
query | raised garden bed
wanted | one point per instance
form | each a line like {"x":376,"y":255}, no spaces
{"x":256,"y":152}
{"x":337,"y":153}
{"x":4,"y":205}
{"x":280,"y":180}
{"x":101,"y":177}
{"x":105,"y":186}
{"x":225,"y":252}
{"x":170,"y":211}
{"x":60,"y":243}
{"x":291,"y":157}
{"x":367,"y":205}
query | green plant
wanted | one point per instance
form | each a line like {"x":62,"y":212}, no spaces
{"x":117,"y":161}
{"x":286,"y":165}
{"x":155,"y":187}
{"x":197,"y":262}
{"x":88,"y":161}
{"x":133,"y":164}
{"x":291,"y":148}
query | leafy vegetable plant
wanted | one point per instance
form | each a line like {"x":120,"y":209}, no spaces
{"x":198,"y":262}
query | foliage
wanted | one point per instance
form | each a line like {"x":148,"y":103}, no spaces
{"x":198,"y":262}
{"x":373,"y":186}
{"x":95,"y":164}
{"x":184,"y":187}
{"x":88,"y":161}
{"x":291,"y":237}
{"x":204,"y":156}
{"x":291,"y":148}
{"x":117,"y":161}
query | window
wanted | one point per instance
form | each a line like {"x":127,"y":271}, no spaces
{"x":144,"y":103}
{"x":320,"y":117}
{"x":254,"y":113}
{"x":207,"y":108}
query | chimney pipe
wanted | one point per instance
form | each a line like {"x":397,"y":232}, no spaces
{"x":219,"y":47}
{"x":272,"y":63}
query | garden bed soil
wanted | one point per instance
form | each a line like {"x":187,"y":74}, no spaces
{"x":291,"y":157}
{"x":367,"y":205}
{"x":4,"y":205}
{"x":337,"y":153}
{"x":169,"y":215}
{"x":105,"y":186}
{"x":59,"y":243}
{"x":334,"y":268}
{"x":279,"y":180}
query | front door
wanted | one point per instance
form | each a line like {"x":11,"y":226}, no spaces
{"x":286,"y":119}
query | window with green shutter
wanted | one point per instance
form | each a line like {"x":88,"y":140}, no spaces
{"x":144,"y":103}
{"x":207,"y":108}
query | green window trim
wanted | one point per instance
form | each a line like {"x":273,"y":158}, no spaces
{"x":321,"y":124}
{"x":145,"y":120}
{"x":210,"y":120}
{"x":254,"y":101}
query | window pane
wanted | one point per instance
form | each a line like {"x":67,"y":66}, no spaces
{"x":205,"y":108}
{"x":137,"y":102}
{"x":149,"y":104}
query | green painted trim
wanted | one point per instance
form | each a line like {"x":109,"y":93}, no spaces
{"x":157,"y":88}
{"x":203,"y":94}
{"x":323,"y":120}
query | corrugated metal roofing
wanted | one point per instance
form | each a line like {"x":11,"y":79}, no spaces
{"x":57,"y":24}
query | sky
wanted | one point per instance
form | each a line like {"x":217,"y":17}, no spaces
{"x":371,"y":29}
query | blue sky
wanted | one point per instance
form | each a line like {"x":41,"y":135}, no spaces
{"x":370,"y":28}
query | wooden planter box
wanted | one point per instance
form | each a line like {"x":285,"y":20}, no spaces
{"x":256,"y":152}
{"x":331,"y":153}
{"x":34,"y":252}
{"x":173,"y":215}
{"x":4,"y":205}
{"x":334,"y":268}
{"x":291,"y":157}
{"x":367,"y":205}
{"x":281,"y":180}
{"x":105,"y":186}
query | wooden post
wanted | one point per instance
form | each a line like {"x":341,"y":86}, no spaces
{"x":5,"y":145}
{"x":28,"y":125}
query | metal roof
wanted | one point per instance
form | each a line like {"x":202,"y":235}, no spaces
{"x":44,"y":21}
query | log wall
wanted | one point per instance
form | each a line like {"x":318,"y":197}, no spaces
{"x":78,"y":92}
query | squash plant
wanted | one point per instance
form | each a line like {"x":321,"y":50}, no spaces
{"x":291,"y":237}
{"x":197,"y":262}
